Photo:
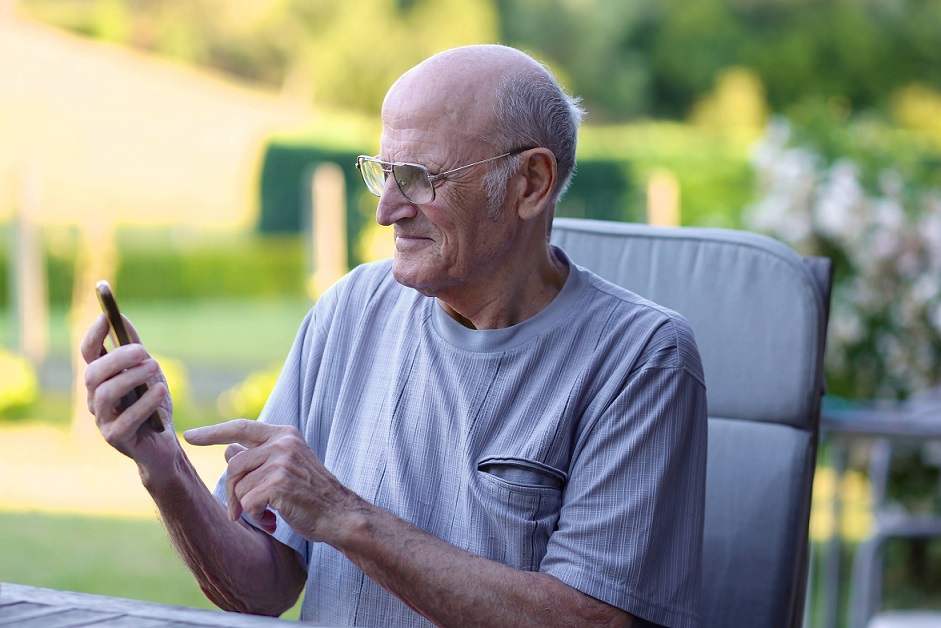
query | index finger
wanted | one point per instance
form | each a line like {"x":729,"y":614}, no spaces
{"x":242,"y":431}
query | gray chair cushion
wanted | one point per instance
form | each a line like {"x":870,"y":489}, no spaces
{"x":758,"y":479}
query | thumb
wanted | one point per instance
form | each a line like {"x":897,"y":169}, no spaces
{"x":233,"y":450}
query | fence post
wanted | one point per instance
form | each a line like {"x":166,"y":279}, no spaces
{"x":29,"y":291}
{"x":328,"y":226}
{"x":663,"y":199}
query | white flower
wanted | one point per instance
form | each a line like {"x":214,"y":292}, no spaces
{"x":837,"y":203}
{"x":888,"y":241}
{"x":846,"y":328}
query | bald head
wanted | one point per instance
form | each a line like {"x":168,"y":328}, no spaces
{"x":493,"y":96}
{"x":485,"y":65}
{"x":461,"y":85}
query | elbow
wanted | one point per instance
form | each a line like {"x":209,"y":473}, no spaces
{"x":254,"y":606}
{"x":268,"y":601}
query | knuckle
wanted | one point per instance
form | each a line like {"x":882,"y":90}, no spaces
{"x":253,"y":503}
{"x":281,"y":446}
{"x":90,"y":379}
{"x":292,"y":438}
{"x":233,"y":471}
{"x":279,"y":476}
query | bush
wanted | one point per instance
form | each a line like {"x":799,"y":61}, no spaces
{"x":254,"y":266}
{"x":613,"y":164}
{"x":248,"y":398}
{"x":19,"y":387}
{"x":156,"y":265}
{"x":710,"y":165}
{"x":860,"y":193}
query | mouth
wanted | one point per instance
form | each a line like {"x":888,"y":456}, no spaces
{"x":403,"y":242}
{"x":409,"y":237}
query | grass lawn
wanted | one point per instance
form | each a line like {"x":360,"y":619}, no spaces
{"x":213,"y":333}
{"x":129,"y":558}
{"x":223,"y":333}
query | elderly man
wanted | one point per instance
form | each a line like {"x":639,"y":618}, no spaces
{"x":476,"y":432}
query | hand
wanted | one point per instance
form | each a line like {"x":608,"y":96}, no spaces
{"x":273,"y":466}
{"x":109,"y":378}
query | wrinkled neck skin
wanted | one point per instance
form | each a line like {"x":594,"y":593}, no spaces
{"x":525,"y":287}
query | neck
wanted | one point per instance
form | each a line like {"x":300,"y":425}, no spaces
{"x":511,"y":299}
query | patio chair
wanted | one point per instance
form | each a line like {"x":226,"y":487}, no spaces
{"x":920,"y":435}
{"x":759,"y":312}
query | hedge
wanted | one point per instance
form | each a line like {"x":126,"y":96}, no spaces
{"x":247,"y":267}
{"x":601,"y":189}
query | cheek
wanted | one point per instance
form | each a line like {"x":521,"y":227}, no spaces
{"x":463,"y":217}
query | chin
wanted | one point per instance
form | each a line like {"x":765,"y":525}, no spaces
{"x":417,"y":277}
{"x":407,"y":274}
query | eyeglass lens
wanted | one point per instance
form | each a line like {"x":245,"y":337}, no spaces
{"x":411,"y":180}
{"x":373,"y":175}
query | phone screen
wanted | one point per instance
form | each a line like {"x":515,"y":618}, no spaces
{"x":119,"y":336}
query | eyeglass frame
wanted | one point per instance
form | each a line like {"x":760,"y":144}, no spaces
{"x":424,"y":170}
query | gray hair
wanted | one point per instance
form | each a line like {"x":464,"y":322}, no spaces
{"x":532,"y":109}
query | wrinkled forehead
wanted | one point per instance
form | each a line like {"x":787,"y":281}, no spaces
{"x":442,"y":97}
{"x":450,"y":99}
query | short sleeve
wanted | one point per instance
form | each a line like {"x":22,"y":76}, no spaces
{"x":631,"y":524}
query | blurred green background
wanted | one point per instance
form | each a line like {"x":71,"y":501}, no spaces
{"x":169,"y":146}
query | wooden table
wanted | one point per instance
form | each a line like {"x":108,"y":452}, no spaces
{"x":22,"y":605}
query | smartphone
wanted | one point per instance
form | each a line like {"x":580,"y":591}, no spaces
{"x":119,"y":336}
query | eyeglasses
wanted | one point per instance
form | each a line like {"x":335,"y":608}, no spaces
{"x":414,"y":181}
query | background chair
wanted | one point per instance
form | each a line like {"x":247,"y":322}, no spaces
{"x":918,"y":435}
{"x":759,"y":312}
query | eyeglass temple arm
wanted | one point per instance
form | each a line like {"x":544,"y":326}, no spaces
{"x":515,"y":151}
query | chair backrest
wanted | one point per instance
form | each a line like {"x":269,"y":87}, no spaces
{"x":759,"y":312}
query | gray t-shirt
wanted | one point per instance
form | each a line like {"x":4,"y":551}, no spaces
{"x":573,"y":443}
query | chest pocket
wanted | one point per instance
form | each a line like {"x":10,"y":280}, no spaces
{"x":523,"y":472}
{"x":521,"y":499}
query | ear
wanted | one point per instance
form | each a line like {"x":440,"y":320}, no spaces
{"x":537,"y":181}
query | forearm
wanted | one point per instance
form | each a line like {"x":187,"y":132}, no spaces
{"x":452,"y":587}
{"x":238,"y":567}
{"x":438,"y":580}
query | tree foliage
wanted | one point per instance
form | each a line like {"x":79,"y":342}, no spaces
{"x":644,"y":58}
{"x":657,"y":57}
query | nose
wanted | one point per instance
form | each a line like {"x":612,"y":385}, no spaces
{"x":393,"y":206}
